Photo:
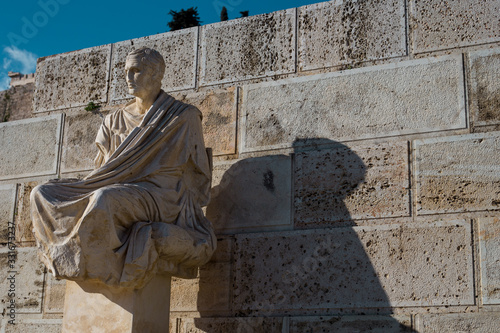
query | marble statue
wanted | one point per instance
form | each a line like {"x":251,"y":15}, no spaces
{"x":139,"y":213}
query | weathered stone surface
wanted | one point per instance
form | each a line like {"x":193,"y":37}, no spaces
{"x":251,"y":194}
{"x":392,"y":265}
{"x":438,"y":25}
{"x":209,"y":292}
{"x":24,"y":225}
{"x":361,"y":103}
{"x":250,"y":324}
{"x":79,"y":148}
{"x":250,"y":47}
{"x":484,"y":93}
{"x":489,"y":241}
{"x":72,"y":79}
{"x":219,"y":118}
{"x":17,"y":102}
{"x":486,"y":322}
{"x":179,"y":51}
{"x":458,"y":173}
{"x":337,"y":32}
{"x":349,"y":324}
{"x":7,"y":206}
{"x":55,"y":291}
{"x":28,"y":282}
{"x":356,"y":182}
{"x":34,"y":325}
{"x":35,"y":154}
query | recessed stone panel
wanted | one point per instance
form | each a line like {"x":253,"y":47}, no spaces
{"x":249,"y":324}
{"x":486,"y":322}
{"x":7,"y":206}
{"x":386,"y":266}
{"x":489,"y":241}
{"x":347,"y":183}
{"x":438,"y":25}
{"x":72,"y":79}
{"x":219,"y":117}
{"x":33,"y":154}
{"x":251,"y":194}
{"x":55,"y":291}
{"x":339,"y":32}
{"x":457,"y":173}
{"x":484,"y":93}
{"x":178,"y":48}
{"x":250,"y":47}
{"x":33,"y":325}
{"x":422,"y":95}
{"x":28,"y":275}
{"x":348,"y":324}
{"x":24,"y":224}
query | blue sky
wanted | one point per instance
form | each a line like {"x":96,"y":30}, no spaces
{"x":38,"y":28}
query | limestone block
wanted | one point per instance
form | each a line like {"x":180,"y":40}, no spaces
{"x":55,"y":291}
{"x":224,"y":250}
{"x":349,"y":324}
{"x":457,"y":173}
{"x":251,"y":47}
{"x":24,"y":225}
{"x":33,"y":325}
{"x":30,"y":155}
{"x":486,"y":322}
{"x":209,"y":292}
{"x":237,"y":325}
{"x":251,"y":194}
{"x":72,"y":79}
{"x":79,"y":148}
{"x":356,"y":182}
{"x":219,"y":117}
{"x":484,"y":93}
{"x":489,"y":241}
{"x":337,"y":32}
{"x":178,"y":48}
{"x":425,"y":264}
{"x":415,"y":96}
{"x":7,"y":206}
{"x":28,"y":275}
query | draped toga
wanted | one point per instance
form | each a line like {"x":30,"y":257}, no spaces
{"x":139,"y":212}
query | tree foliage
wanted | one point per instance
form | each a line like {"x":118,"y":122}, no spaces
{"x":185,"y":18}
{"x":244,"y":13}
{"x":223,"y":14}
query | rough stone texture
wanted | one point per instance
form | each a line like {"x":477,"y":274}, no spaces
{"x":219,"y":118}
{"x":251,"y":194}
{"x":79,"y":148}
{"x":55,"y":291}
{"x":209,"y":292}
{"x":415,"y":265}
{"x":337,"y":32}
{"x":72,"y":79}
{"x":437,"y":25}
{"x":16,"y":102}
{"x":357,"y":182}
{"x":179,"y":51}
{"x":250,"y":47}
{"x":484,"y":92}
{"x":24,"y":225}
{"x":457,"y":173}
{"x":29,"y":278}
{"x":360,"y":103}
{"x":489,"y":241}
{"x":33,"y":325}
{"x":350,"y":324}
{"x":35,"y":154}
{"x":487,"y":322}
{"x":237,"y":325}
{"x":7,"y":206}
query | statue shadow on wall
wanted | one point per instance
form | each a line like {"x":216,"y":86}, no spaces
{"x":329,"y":272}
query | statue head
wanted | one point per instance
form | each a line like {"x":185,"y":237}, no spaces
{"x":144,"y":70}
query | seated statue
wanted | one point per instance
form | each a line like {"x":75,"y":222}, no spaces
{"x":139,"y":213}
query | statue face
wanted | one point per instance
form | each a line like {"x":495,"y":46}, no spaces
{"x":139,"y":78}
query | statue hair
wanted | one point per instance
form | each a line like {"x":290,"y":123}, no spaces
{"x":152,"y":59}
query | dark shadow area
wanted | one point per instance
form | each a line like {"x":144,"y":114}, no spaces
{"x":318,"y":273}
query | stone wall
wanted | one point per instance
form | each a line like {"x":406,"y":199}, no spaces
{"x":356,"y":180}
{"x":16,"y":103}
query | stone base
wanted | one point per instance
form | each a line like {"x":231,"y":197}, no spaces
{"x":93,"y":307}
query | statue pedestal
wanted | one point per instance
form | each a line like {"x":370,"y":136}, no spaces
{"x":93,"y":307}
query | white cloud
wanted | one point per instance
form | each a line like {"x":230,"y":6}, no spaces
{"x":25,"y":60}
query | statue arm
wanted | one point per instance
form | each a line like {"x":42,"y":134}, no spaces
{"x":103,"y":144}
